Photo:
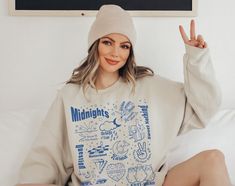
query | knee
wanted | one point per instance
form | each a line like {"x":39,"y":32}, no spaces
{"x":212,"y":157}
{"x":213,"y":154}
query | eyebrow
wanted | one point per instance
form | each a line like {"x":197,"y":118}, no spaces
{"x":114,"y":40}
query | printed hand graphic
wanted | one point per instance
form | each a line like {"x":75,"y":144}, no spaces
{"x":126,"y":110}
{"x":142,"y":152}
{"x":149,"y":171}
{"x":131,"y":176}
{"x":140,"y":175}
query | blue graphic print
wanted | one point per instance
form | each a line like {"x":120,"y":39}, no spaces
{"x":136,"y":132}
{"x":127,"y":111}
{"x":87,"y":131}
{"x":101,"y":150}
{"x":141,"y":175}
{"x":78,"y":115}
{"x":109,"y":125}
{"x":142,"y":154}
{"x":81,"y":164}
{"x":100,"y":164}
{"x":144,"y":113}
{"x":108,"y":129}
{"x":113,"y":144}
{"x":101,"y":181}
{"x":120,"y":149}
{"x":116,"y":171}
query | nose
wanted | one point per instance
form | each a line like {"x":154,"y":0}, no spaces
{"x":115,"y":51}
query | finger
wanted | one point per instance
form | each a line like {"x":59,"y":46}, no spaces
{"x":183,"y":34}
{"x":200,"y":40}
{"x":192,"y":30}
{"x":200,"y":46}
{"x":140,"y":146}
{"x":144,"y":145}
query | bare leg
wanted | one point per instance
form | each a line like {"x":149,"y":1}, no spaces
{"x":204,"y":169}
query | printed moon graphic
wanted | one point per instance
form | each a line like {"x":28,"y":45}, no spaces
{"x":120,"y":147}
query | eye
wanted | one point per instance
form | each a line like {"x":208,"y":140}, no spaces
{"x":125,"y":46}
{"x":106,"y":42}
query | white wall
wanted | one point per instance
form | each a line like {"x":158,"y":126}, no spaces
{"x":38,"y":53}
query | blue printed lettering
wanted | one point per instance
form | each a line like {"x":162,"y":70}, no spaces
{"x":78,"y":115}
{"x":81,"y":164}
{"x":144,"y":111}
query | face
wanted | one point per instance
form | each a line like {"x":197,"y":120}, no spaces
{"x":113,"y":51}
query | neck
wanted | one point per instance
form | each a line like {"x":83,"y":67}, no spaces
{"x":105,"y":80}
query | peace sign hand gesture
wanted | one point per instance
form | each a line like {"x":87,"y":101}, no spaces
{"x":193,"y":41}
{"x":142,"y":151}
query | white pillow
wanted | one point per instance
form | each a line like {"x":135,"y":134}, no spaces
{"x":17,"y":132}
{"x":220,"y":134}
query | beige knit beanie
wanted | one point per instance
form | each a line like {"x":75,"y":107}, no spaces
{"x":112,"y":19}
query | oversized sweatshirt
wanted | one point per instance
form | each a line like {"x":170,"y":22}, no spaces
{"x":116,"y":137}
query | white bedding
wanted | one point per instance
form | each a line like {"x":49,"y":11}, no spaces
{"x":219,"y":134}
{"x":19,"y":128}
{"x":17,"y":131}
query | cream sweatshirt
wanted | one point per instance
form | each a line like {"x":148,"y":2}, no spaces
{"x":116,"y":137}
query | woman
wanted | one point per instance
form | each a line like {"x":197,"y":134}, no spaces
{"x":113,"y":122}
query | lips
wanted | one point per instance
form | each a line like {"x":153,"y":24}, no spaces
{"x":111,"y":62}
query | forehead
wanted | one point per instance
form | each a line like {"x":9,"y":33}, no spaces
{"x":117,"y":37}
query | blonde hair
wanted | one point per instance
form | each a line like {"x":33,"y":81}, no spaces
{"x":86,"y":73}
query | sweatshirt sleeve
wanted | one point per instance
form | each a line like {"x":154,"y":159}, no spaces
{"x":203,"y":94}
{"x":49,"y":160}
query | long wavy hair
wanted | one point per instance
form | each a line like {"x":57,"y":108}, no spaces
{"x":86,"y":73}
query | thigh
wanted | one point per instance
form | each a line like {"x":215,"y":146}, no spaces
{"x":185,"y":173}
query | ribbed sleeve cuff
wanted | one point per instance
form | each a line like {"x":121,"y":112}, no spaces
{"x":195,"y":51}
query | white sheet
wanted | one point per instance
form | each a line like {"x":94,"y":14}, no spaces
{"x":220,"y":134}
{"x":19,"y":128}
{"x":17,"y":131}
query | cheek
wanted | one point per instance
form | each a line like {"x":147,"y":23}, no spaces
{"x":102,"y":50}
{"x":125,"y":55}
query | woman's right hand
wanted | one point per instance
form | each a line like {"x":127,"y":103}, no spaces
{"x":196,"y":41}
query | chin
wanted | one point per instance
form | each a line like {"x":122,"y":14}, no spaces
{"x":111,"y":69}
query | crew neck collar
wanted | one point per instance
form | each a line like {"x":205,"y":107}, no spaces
{"x":115,"y":85}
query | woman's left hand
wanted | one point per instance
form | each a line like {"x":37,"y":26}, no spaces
{"x":196,"y":41}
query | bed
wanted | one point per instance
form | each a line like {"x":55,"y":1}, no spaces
{"x":18,"y":129}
